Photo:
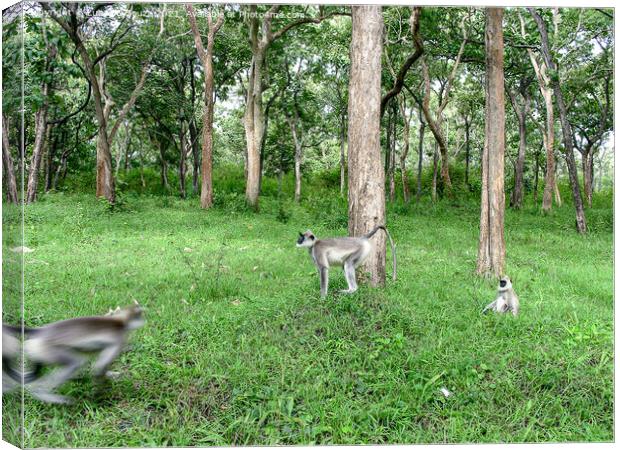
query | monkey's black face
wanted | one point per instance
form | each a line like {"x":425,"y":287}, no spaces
{"x":502,"y":283}
{"x":306,"y":239}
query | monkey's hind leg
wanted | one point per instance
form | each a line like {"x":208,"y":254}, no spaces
{"x":349,"y":274}
{"x":70,"y":363}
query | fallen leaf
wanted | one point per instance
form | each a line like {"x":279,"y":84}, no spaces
{"x":187,"y":250}
{"x":446,"y":393}
{"x":21,"y":249}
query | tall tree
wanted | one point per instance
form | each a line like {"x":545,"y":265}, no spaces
{"x":73,"y":26}
{"x":366,"y":175}
{"x":435,"y":123}
{"x":492,"y":247}
{"x":7,"y":164}
{"x":40,"y":117}
{"x":261,"y":36}
{"x":520,"y":103}
{"x":206,"y":58}
{"x":544,"y":84}
{"x":567,"y":132}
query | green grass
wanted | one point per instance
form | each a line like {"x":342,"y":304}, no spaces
{"x":239,"y":348}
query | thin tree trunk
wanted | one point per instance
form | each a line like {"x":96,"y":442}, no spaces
{"x":420,"y":157}
{"x":403,"y":157}
{"x":163,"y":165}
{"x":51,"y":153}
{"x":297,"y":141}
{"x":193,"y":136}
{"x":567,"y":133}
{"x":182,"y":160}
{"x":588,"y":173}
{"x":366,"y":175}
{"x":467,"y":125}
{"x":7,"y":160}
{"x":516,"y":199}
{"x":536,"y":170}
{"x":206,"y":57}
{"x":38,"y":149}
{"x":492,"y":249}
{"x":548,"y":134}
{"x":343,"y":138}
{"x":435,"y":167}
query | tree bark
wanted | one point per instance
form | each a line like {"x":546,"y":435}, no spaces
{"x":516,"y":199}
{"x":467,"y":152}
{"x":420,"y":156}
{"x":491,"y":249}
{"x":37,"y":151}
{"x":182,"y":160}
{"x":206,"y":58}
{"x":366,"y":174}
{"x":588,"y":174}
{"x":567,"y":132}
{"x":435,"y":170}
{"x":343,"y":138}
{"x":403,"y":156}
{"x":7,"y":160}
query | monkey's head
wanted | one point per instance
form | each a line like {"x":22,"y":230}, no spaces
{"x":504,"y":283}
{"x":306,"y":239}
{"x":132,"y":316}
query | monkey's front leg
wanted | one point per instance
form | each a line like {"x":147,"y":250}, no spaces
{"x":324,"y":275}
{"x":489,"y":306}
{"x":106,"y":357}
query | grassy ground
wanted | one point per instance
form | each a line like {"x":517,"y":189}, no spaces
{"x":239,"y":349}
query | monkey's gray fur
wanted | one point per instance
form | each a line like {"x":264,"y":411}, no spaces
{"x":348,"y":252}
{"x":506,"y":301}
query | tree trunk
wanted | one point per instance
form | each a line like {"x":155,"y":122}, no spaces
{"x":206,"y":57}
{"x":516,"y":199}
{"x":51,"y":153}
{"x":420,"y":157}
{"x":7,"y":160}
{"x":163,"y":165}
{"x":549,"y":144}
{"x":491,"y":249}
{"x":587,"y":162}
{"x":297,"y":141}
{"x":435,"y":167}
{"x":536,"y":170}
{"x":556,"y":192}
{"x":366,"y":175}
{"x":37,"y":151}
{"x":567,"y":132}
{"x":193,"y":135}
{"x":467,"y":126}
{"x":343,"y":138}
{"x":182,"y":160}
{"x":405,"y":152}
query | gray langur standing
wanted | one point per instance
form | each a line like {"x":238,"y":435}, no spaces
{"x":506,"y":301}
{"x":64,"y":344}
{"x":348,"y":252}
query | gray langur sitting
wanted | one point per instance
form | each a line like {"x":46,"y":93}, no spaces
{"x":506,"y":301}
{"x":348,"y":252}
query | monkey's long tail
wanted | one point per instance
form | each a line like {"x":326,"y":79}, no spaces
{"x":29,"y":377}
{"x":372,"y":233}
